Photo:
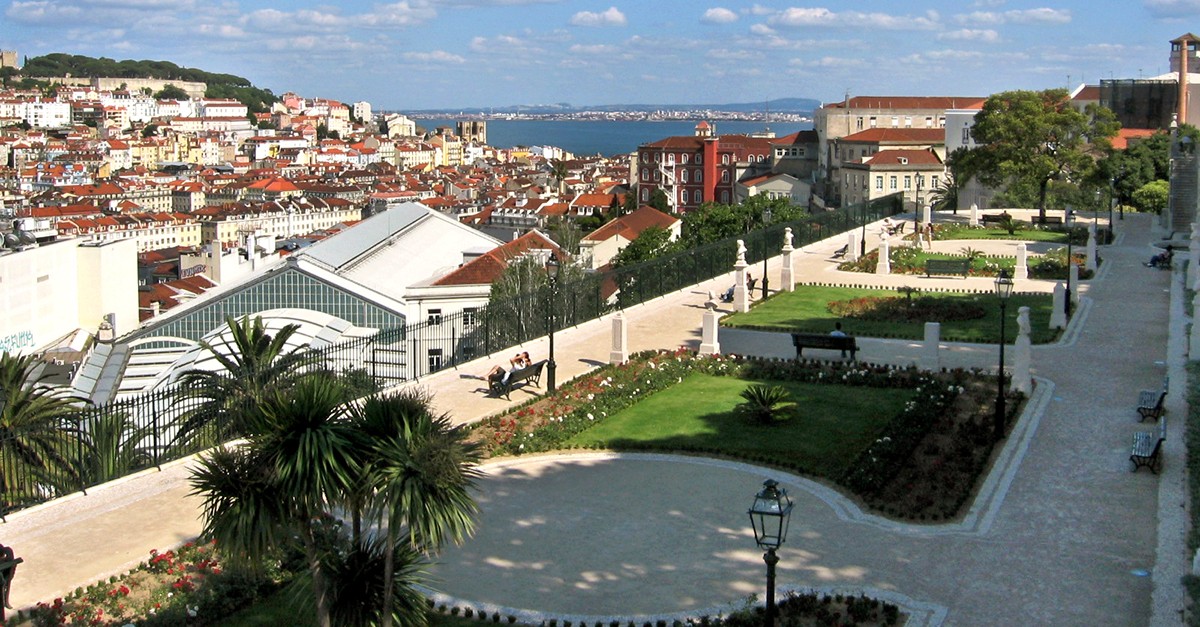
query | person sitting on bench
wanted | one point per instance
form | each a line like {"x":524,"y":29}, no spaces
{"x":838,"y":332}
{"x":497,"y":373}
{"x":1161,"y":260}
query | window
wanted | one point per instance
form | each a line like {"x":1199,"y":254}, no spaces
{"x":895,"y":121}
{"x":435,"y":359}
{"x":725,"y":176}
{"x":683,"y":195}
{"x":645,"y":157}
{"x":725,"y":197}
{"x":879,"y":183}
{"x":892,"y":182}
{"x":872,"y":121}
{"x":929,"y":121}
{"x":699,"y":175}
{"x":699,"y":159}
{"x":920,"y":181}
{"x":683,"y":175}
{"x":683,"y":158}
{"x":933,"y":181}
{"x":645,"y":195}
{"x":966,"y":134}
{"x":858,"y":123}
{"x":907,"y":182}
{"x":725,"y":159}
{"x":908,"y":121}
{"x":657,"y":157}
{"x":657,"y":175}
{"x":645,"y":173}
{"x":470,"y":316}
{"x":671,"y":159}
{"x":698,"y":197}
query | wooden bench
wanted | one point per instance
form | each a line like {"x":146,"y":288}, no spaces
{"x":841,"y":252}
{"x":947,"y":267}
{"x":532,"y":373}
{"x":1150,"y":402}
{"x":1046,"y":220}
{"x":824,"y":341}
{"x":994,"y":217}
{"x":1147,"y":447}
{"x":8,"y":569}
{"x":898,"y":229}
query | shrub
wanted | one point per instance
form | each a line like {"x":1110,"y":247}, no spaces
{"x":765,"y":404}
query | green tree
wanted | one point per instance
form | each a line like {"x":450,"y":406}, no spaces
{"x":35,"y":427}
{"x":631,"y":202}
{"x":659,"y":200}
{"x":559,"y":170}
{"x":171,"y":92}
{"x":252,"y":362}
{"x":650,"y":243}
{"x":1152,"y":197}
{"x":1029,"y":139}
{"x":150,"y":130}
{"x":299,"y":462}
{"x":114,"y":445}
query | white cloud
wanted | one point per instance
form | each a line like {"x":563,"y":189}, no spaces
{"x":822,"y":17}
{"x":762,"y":29}
{"x":1025,"y":16}
{"x":41,"y":11}
{"x":600,"y":49}
{"x":611,"y":16}
{"x":987,"y":36}
{"x":1173,"y":8}
{"x":435,"y":56}
{"x":759,"y":9}
{"x":719,"y":15}
{"x":828,"y":62}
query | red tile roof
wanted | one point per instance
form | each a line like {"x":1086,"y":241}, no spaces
{"x":630,"y":226}
{"x":898,"y":135}
{"x":488,"y":267}
{"x":939,"y":103}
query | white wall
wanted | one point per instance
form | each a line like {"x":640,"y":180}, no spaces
{"x":38,"y":296}
{"x":108,"y":283}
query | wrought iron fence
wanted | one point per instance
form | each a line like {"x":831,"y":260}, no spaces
{"x":101,"y":443}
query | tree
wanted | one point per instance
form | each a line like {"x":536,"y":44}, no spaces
{"x":150,"y":130}
{"x":659,"y":200}
{"x":650,"y":243}
{"x":422,"y":471}
{"x":631,"y":202}
{"x":252,"y":363}
{"x":34,"y":429}
{"x":171,"y":92}
{"x":1032,"y":138}
{"x":300,"y":460}
{"x":558,"y":168}
{"x":1152,"y":197}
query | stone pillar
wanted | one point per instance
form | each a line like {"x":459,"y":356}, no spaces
{"x":852,"y":246}
{"x":787,"y":275}
{"x":974,"y":219}
{"x":741,"y":297}
{"x":620,"y":340}
{"x":1022,"y":363}
{"x":1058,"y":317}
{"x":1194,"y":344}
{"x":1194,"y":255}
{"x":1021,"y":272}
{"x":709,"y":345}
{"x":1090,"y":262}
{"x":930,"y":357}
{"x":885,"y":263}
{"x":926,"y":214}
{"x":1073,"y":272}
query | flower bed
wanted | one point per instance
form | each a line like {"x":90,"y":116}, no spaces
{"x":891,"y":308}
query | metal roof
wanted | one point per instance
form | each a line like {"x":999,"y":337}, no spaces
{"x":365,"y":236}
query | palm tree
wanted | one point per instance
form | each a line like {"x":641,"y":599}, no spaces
{"x":357,"y":583}
{"x":114,"y":446}
{"x":299,"y":461}
{"x":422,"y":470}
{"x":36,"y":429}
{"x":253,"y":363}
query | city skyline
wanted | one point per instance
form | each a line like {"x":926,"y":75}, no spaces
{"x":472,"y":54}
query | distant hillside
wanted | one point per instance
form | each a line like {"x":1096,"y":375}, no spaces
{"x":219,"y":85}
{"x":803,"y":106}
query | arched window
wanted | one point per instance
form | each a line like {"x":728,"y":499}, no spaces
{"x":699,"y":175}
{"x":698,"y":196}
{"x":725,"y":176}
{"x":725,"y":197}
{"x":699,"y":159}
{"x":725,"y":159}
{"x":683,"y":158}
{"x":645,"y":194}
{"x":671,"y":159}
{"x":684,"y":175}
{"x":683,"y":196}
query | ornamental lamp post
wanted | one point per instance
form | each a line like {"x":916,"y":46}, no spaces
{"x":766,"y":222}
{"x":552,"y":272}
{"x":769,"y":515}
{"x":1004,"y":289}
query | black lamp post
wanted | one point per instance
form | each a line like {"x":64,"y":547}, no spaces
{"x":862,"y":243}
{"x":1070,"y":260}
{"x":769,"y":515}
{"x":766,"y":253}
{"x":552,"y":272}
{"x":1004,"y":289}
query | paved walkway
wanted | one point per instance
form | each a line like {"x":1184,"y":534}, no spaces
{"x":1062,"y":533}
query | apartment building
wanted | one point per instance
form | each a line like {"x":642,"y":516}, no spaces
{"x":698,"y":169}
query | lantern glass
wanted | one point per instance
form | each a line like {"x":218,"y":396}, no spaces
{"x":552,"y":266}
{"x":1004,"y":285}
{"x":770,"y":515}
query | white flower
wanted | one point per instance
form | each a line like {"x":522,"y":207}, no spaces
{"x":591,"y":417}
{"x":191,"y":612}
{"x":591,"y":396}
{"x":521,"y":448}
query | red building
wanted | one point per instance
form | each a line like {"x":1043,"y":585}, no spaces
{"x":698,"y":169}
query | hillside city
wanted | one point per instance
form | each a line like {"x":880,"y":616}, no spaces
{"x":142,"y":218}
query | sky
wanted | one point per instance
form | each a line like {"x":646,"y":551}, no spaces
{"x":473,"y":54}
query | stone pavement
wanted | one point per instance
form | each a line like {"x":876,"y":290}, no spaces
{"x":1062,"y":533}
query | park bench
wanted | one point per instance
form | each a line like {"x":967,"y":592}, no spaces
{"x":532,"y":373}
{"x":947,"y":267}
{"x":824,"y":341}
{"x":994,"y":217}
{"x":1147,"y":447}
{"x":898,"y":229}
{"x":1046,"y":220}
{"x":8,"y":568}
{"x":841,"y":252}
{"x":1150,"y":402}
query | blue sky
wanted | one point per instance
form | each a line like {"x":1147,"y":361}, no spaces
{"x":417,"y":54}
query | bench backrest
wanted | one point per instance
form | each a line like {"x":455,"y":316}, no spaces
{"x":946,"y":265}
{"x":520,"y":374}
{"x":818,"y":340}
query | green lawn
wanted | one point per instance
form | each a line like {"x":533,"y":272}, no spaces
{"x":805,"y":310}
{"x":832,"y":424}
{"x":945,"y":232}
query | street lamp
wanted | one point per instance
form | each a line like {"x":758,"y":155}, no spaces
{"x":862,"y":242}
{"x":552,"y":272}
{"x":769,"y":515}
{"x":766,"y":222}
{"x":1070,"y":260}
{"x":1004,"y":289}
